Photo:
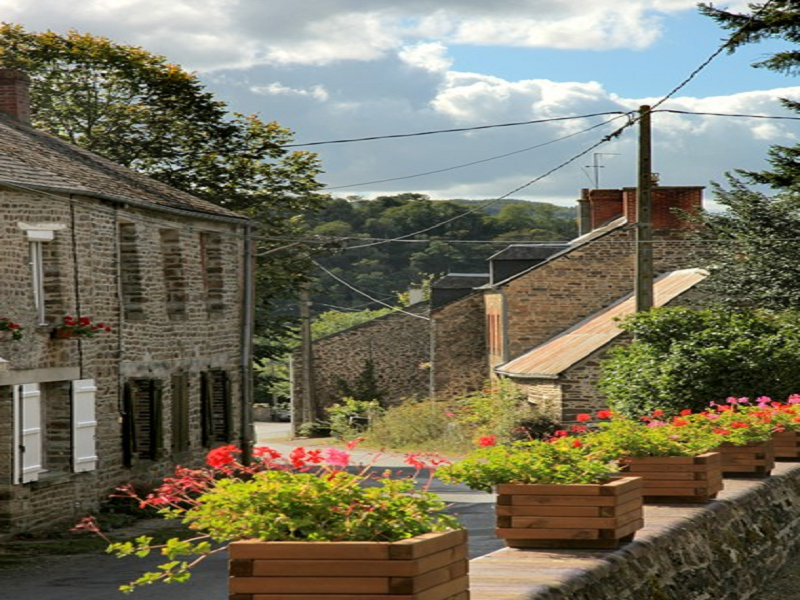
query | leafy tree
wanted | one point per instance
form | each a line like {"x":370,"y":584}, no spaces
{"x":776,"y":19}
{"x":142,"y":112}
{"x":752,"y":258}
{"x":683,"y":358}
{"x":332,"y":321}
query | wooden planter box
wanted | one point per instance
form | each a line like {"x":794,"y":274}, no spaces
{"x":751,"y":460}
{"x":787,"y":445}
{"x":427,"y":567}
{"x":569,"y":516}
{"x":678,"y":478}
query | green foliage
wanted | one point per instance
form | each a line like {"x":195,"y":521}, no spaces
{"x":527,"y":462}
{"x":333,"y":321}
{"x":499,"y":411}
{"x":683,"y":358}
{"x":364,"y":221}
{"x":752,"y":259}
{"x":351,"y":417}
{"x":776,"y":19}
{"x":496,"y":410}
{"x":627,"y":438}
{"x":417,"y":425}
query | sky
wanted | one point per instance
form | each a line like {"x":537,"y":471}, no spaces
{"x":346,"y":69}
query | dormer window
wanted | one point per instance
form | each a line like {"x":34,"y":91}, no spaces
{"x":39,"y":234}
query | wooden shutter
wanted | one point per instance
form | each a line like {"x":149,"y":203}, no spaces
{"x":180,"y":413}
{"x":27,"y":433}
{"x":128,"y":426}
{"x":84,"y":426}
{"x":156,"y":420}
{"x":206,"y":409}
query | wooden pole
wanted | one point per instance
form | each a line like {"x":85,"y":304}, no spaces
{"x":643,"y":286}
{"x":306,"y":412}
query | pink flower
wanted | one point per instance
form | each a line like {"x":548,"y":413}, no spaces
{"x":337,"y":458}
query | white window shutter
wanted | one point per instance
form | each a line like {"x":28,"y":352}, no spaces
{"x":27,"y":433}
{"x":84,"y":425}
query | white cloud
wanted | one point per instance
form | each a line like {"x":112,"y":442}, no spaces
{"x":316,"y":92}
{"x":429,"y":56}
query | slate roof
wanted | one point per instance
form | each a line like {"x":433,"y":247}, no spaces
{"x":33,"y":159}
{"x":555,"y":356}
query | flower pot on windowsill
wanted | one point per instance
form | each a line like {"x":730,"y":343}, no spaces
{"x":63,"y":334}
{"x":569,"y":515}
{"x":432,"y":566}
{"x":677,"y":478}
{"x":749,"y":460}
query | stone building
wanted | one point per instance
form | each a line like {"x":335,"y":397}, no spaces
{"x":479,"y":324}
{"x":164,"y":378}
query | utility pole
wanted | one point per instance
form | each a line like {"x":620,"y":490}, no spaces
{"x":304,"y":411}
{"x":643,"y":287}
{"x":596,"y":166}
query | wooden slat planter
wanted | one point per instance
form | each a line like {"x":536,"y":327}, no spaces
{"x":751,"y":460}
{"x":569,"y":516}
{"x":678,"y":478}
{"x":787,"y":445}
{"x":428,"y":567}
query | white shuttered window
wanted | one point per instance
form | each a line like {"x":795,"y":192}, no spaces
{"x":84,"y":425}
{"x":27,"y":432}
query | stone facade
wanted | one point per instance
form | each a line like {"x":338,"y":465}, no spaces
{"x":397,"y":345}
{"x":166,"y":272}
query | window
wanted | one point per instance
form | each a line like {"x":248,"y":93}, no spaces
{"x":211,"y":265}
{"x":38,"y":235}
{"x":174,"y":279}
{"x":130,"y":273}
{"x":142,"y":420}
{"x":217,"y":419}
{"x":54,"y":429}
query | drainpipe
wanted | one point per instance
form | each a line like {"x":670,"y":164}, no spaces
{"x":248,"y":317}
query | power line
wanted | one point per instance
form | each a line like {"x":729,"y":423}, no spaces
{"x":352,"y":287}
{"x":737,"y":115}
{"x":455,"y":130}
{"x":476,"y":162}
{"x":575,"y":157}
{"x":725,"y":45}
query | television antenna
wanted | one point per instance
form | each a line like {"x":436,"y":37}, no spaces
{"x":596,"y":166}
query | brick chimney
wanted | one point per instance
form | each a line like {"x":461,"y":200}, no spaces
{"x":664,"y":199}
{"x":604,"y":206}
{"x":14,"y":94}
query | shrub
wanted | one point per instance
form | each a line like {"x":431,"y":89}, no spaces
{"x":351,"y":417}
{"x":416,"y":425}
{"x":528,"y":462}
{"x":497,"y":410}
{"x":682,"y":358}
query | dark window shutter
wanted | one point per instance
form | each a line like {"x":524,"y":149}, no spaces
{"x":156,"y":420}
{"x":128,"y":428}
{"x":180,"y":413}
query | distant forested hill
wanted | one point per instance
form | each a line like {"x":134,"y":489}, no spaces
{"x":451,"y":241}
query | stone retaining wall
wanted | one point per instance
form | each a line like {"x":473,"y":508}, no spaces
{"x":725,"y":550}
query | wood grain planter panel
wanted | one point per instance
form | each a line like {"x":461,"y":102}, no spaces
{"x":569,"y":516}
{"x":787,"y":445}
{"x":754,"y":460}
{"x":428,"y":567}
{"x":678,"y":478}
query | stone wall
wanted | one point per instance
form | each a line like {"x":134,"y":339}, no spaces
{"x":728,"y":551}
{"x":459,"y":341}
{"x":172,"y":329}
{"x":397,"y":345}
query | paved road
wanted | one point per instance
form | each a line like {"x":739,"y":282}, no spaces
{"x":98,"y":577}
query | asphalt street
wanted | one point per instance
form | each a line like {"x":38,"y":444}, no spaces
{"x":98,"y":577}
